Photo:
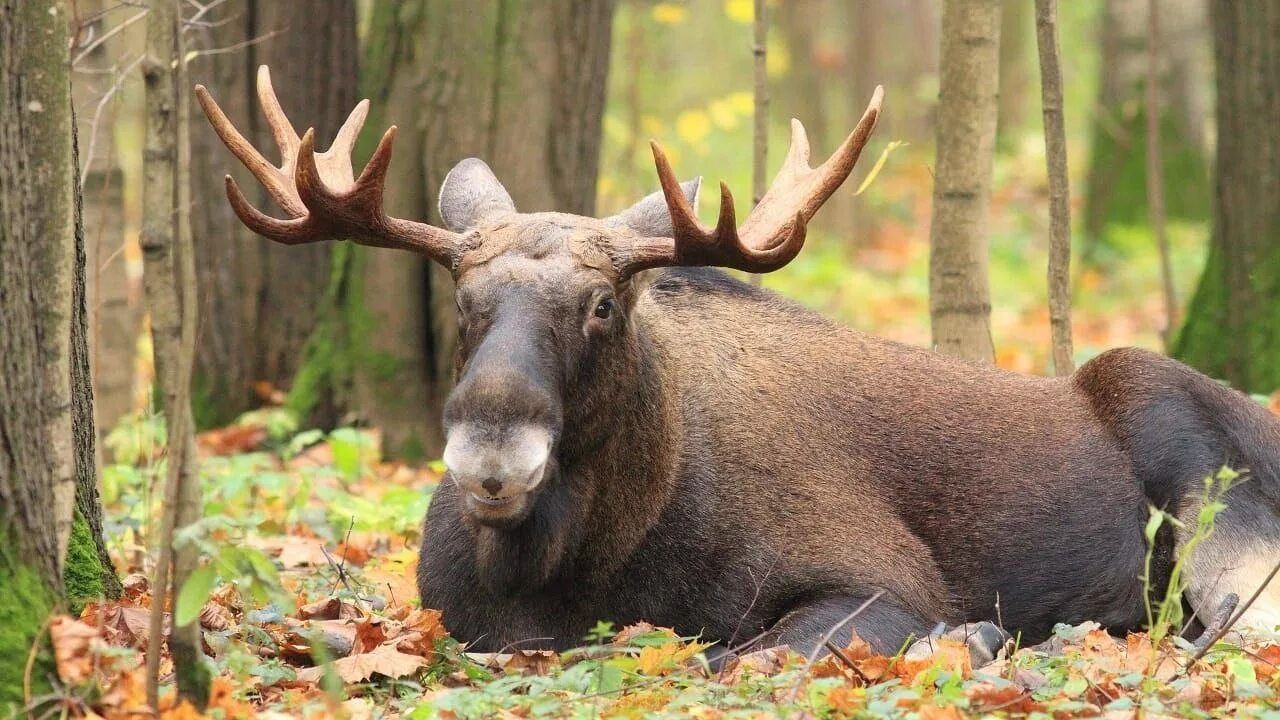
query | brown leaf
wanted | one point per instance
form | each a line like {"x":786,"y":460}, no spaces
{"x":629,"y":633}
{"x":215,"y":617}
{"x":71,"y":648}
{"x":948,"y":653}
{"x":331,"y":608}
{"x":338,"y":636}
{"x":988,"y":697}
{"x":136,"y":586}
{"x":370,"y":633}
{"x":385,"y":660}
{"x":532,"y":662}
{"x":231,"y":440}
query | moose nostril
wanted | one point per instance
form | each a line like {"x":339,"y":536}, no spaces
{"x":493,"y":486}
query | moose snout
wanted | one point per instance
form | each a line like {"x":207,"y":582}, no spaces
{"x":495,"y":467}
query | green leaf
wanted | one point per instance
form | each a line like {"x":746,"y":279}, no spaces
{"x":194,"y":594}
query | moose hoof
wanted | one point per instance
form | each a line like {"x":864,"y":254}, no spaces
{"x":984,"y":640}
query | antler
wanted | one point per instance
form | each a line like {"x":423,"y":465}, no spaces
{"x":318,"y":191}
{"x":773,"y":233}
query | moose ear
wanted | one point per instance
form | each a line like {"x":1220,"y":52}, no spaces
{"x":471,"y":194}
{"x":650,"y":217}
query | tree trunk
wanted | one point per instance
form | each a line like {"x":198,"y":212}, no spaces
{"x":1231,"y":330}
{"x":1055,"y":145}
{"x":518,"y":83}
{"x":1017,"y":28}
{"x":170,"y":301}
{"x":1115,"y":188}
{"x":262,"y":303}
{"x":114,"y":300}
{"x":46,"y":427}
{"x":959,"y":295}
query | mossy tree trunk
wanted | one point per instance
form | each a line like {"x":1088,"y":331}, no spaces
{"x":1115,"y":189}
{"x":262,"y":303}
{"x":46,"y":428}
{"x":518,"y":83}
{"x":1232,"y":330}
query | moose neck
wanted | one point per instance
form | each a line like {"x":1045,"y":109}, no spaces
{"x":599,"y":497}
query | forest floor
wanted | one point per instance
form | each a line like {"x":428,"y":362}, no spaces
{"x":309,"y":609}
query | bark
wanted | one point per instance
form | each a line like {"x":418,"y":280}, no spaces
{"x":46,"y":427}
{"x":1232,"y":329}
{"x":760,"y":116}
{"x":1155,"y":170}
{"x":170,"y":303}
{"x":1017,"y":27}
{"x":114,"y":298}
{"x":1055,"y":144}
{"x":518,"y":83}
{"x":1115,"y":187}
{"x":959,"y":294}
{"x":262,"y":303}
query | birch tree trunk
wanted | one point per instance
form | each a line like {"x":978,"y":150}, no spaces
{"x":959,"y":293}
{"x":47,"y":551}
{"x":1231,"y":330}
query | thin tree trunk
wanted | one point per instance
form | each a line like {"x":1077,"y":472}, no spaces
{"x":1155,"y":172}
{"x":959,"y":294}
{"x":760,"y":130}
{"x":527,"y":96}
{"x":1231,"y":329}
{"x":1055,"y":146}
{"x":46,"y":427}
{"x":169,"y":303}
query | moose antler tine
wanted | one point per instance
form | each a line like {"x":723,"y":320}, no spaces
{"x":286,"y":137}
{"x":727,"y":221}
{"x":677,"y":203}
{"x":844,"y":158}
{"x":376,"y":169}
{"x":244,"y":150}
{"x":345,"y":141}
{"x":285,"y":231}
{"x":311,"y":185}
{"x":798,"y":154}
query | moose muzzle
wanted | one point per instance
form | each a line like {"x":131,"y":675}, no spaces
{"x":497,"y":470}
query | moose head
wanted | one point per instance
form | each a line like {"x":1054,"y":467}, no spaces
{"x":544,"y":299}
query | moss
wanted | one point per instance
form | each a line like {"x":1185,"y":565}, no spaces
{"x":1242,"y":348}
{"x":1117,"y":191}
{"x":25,"y":604}
{"x":82,"y":571}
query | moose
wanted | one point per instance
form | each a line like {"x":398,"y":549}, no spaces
{"x":636,"y":435}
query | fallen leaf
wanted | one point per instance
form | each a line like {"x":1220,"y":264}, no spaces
{"x":532,"y":662}
{"x":330,"y":608}
{"x":385,"y":660}
{"x":71,"y":641}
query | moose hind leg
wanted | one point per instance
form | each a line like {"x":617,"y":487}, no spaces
{"x":879,"y":619}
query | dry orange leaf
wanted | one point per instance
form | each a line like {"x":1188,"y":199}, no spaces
{"x":384,"y":660}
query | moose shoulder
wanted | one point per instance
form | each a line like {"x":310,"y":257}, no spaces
{"x":633,"y":438}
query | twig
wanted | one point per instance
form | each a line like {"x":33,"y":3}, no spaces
{"x":107,"y":36}
{"x":1219,"y":618}
{"x":826,"y":638}
{"x":836,"y":651}
{"x":97,"y":116}
{"x":237,"y":46}
{"x":1234,"y":618}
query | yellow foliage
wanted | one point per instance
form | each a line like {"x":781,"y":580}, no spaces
{"x":669,"y":13}
{"x":777,"y":59}
{"x":693,"y":126}
{"x":742,"y":11}
{"x":723,"y":114}
{"x":742,"y":101}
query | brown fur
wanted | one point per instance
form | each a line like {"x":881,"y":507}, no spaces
{"x":728,"y":463}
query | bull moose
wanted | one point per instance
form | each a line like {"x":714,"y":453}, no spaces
{"x":634,"y":436}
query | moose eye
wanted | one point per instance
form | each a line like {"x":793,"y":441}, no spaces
{"x":604,"y":309}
